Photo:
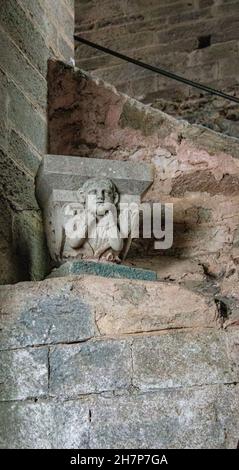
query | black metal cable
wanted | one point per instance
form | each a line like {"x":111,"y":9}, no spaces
{"x":171,"y":75}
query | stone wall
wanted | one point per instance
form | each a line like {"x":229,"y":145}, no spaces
{"x":30,"y":33}
{"x":198,"y":39}
{"x":195,"y":169}
{"x":101,"y":363}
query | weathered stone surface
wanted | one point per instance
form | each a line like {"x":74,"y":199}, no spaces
{"x":232,"y":338}
{"x":70,"y":173}
{"x":160,"y":420}
{"x":20,"y":189}
{"x":140,"y":391}
{"x":182,"y":359}
{"x":195,"y":169}
{"x":201,"y":418}
{"x":22,"y":72}
{"x":128,"y":307}
{"x":61,"y":310}
{"x":92,"y":367}
{"x":22,"y":153}
{"x":186,"y":272}
{"x":31,"y":33}
{"x":44,"y":425}
{"x":228,"y":298}
{"x":64,"y":309}
{"x":30,"y":245}
{"x":24,"y":374}
{"x":43,"y":313}
{"x":26,"y":36}
{"x":197,"y":40}
{"x":104,"y":270}
{"x":77,"y":227}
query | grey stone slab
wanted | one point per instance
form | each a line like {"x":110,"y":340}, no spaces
{"x":26,"y":118}
{"x":16,"y":185}
{"x":19,"y":69}
{"x":40,"y":11}
{"x":232,"y":339}
{"x":43,"y":316}
{"x":104,"y":270}
{"x":201,"y":417}
{"x":66,"y":172}
{"x":91,"y":367}
{"x":45,"y":425}
{"x":22,"y":153}
{"x":197,"y":418}
{"x":23,"y":374}
{"x":13,"y":19}
{"x":181,"y":359}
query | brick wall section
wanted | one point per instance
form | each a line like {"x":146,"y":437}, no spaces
{"x":169,"y":34}
{"x":30,"y":33}
{"x":111,"y":363}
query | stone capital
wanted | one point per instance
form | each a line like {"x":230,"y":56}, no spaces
{"x":63,"y":186}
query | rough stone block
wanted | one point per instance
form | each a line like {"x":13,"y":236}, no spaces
{"x":45,"y":425}
{"x":34,"y":314}
{"x":26,"y":119}
{"x":30,"y":245}
{"x":135,"y":116}
{"x":23,"y":153}
{"x":19,"y":69}
{"x":39,"y":11}
{"x":104,"y":270}
{"x":92,"y":367}
{"x":232,"y":338}
{"x":24,"y":374}
{"x":69,"y":173}
{"x":199,"y":418}
{"x":4,"y":124}
{"x":65,"y":49}
{"x":62,"y":309}
{"x":127,"y":307}
{"x":182,"y":359}
{"x":16,"y":185}
{"x":24,"y":33}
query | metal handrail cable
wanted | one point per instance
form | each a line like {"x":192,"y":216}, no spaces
{"x":158,"y":70}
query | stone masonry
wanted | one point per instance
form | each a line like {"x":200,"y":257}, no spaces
{"x":107,"y":363}
{"x":196,"y":169}
{"x":93,"y":362}
{"x":197,"y":39}
{"x":30,"y":33}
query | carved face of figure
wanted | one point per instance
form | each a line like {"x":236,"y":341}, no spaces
{"x":100,"y":193}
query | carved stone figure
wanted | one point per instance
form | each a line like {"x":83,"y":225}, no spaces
{"x":88,"y":217}
{"x":92,"y":230}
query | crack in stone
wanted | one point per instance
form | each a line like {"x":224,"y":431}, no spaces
{"x":101,"y":337}
{"x":110,"y":393}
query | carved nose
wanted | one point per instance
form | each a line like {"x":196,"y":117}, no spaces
{"x":100,"y":197}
